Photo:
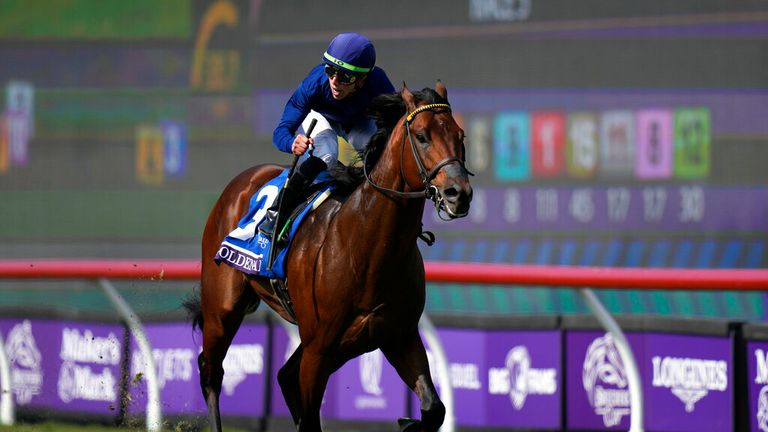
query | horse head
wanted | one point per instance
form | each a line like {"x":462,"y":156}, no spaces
{"x":438,"y":157}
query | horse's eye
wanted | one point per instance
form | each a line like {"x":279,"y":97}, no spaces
{"x":421,"y":137}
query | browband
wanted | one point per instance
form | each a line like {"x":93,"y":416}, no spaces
{"x":410,"y":116}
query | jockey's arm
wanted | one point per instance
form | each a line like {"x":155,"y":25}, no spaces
{"x":296,"y":109}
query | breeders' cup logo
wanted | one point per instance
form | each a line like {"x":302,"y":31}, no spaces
{"x":263,"y":242}
{"x":762,"y":409}
{"x":605,"y":381}
{"x":370,"y":369}
{"x":690,"y":379}
{"x":519,"y":379}
{"x":761,"y":377}
{"x":370,"y":372}
{"x":25,"y":359}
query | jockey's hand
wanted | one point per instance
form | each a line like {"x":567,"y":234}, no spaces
{"x":300,"y":144}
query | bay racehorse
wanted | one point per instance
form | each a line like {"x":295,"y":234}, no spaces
{"x":354,"y":272}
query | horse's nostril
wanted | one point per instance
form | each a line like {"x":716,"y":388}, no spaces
{"x":451,"y":193}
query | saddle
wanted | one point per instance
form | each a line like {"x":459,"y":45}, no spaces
{"x":248,"y":250}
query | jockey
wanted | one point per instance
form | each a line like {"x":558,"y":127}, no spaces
{"x":336,"y":93}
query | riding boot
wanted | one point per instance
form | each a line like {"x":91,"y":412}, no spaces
{"x":268,"y":226}
{"x":289,"y":197}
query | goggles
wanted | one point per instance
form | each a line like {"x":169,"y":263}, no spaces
{"x":343,"y":77}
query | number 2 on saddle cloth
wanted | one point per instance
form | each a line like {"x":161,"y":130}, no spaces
{"x":247,"y":249}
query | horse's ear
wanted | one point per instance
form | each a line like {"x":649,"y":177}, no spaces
{"x":407,"y":96}
{"x":441,"y":90}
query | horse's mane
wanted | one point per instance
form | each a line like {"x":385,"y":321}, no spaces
{"x":386,"y":110}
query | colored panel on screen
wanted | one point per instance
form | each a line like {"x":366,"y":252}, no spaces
{"x":479,"y":145}
{"x":692,"y":142}
{"x":19,"y":132}
{"x":582,"y":144}
{"x":149,"y":154}
{"x":617,"y":144}
{"x":175,"y":148}
{"x":548,"y":152}
{"x":653,"y":158}
{"x":5,"y":159}
{"x":512,"y":146}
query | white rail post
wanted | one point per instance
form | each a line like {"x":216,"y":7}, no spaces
{"x":443,"y":376}
{"x":625,"y":351}
{"x":7,"y":415}
{"x":154,"y":414}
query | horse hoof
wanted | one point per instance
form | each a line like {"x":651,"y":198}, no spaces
{"x":409,"y":425}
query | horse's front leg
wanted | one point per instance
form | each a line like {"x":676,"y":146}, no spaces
{"x":409,"y":358}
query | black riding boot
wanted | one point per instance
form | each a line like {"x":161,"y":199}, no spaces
{"x":290,"y":196}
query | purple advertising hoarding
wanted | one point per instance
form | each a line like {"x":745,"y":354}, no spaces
{"x":67,"y":366}
{"x":174,"y":351}
{"x":687,"y":382}
{"x":366,"y":388}
{"x":467,"y":369}
{"x":596,"y":385}
{"x":524,"y":379}
{"x":502,"y":378}
{"x":282,"y":348}
{"x":245,"y":381}
{"x":757,"y":385}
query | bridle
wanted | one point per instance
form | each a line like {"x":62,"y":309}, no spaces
{"x":430,"y":191}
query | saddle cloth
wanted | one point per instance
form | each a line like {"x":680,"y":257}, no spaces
{"x":248,"y":250}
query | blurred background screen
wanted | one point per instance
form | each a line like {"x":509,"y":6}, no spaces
{"x":602,"y":132}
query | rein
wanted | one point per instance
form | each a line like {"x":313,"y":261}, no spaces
{"x":430,"y":191}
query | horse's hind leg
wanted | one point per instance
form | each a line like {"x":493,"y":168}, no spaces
{"x":224,"y":302}
{"x":288,"y":378}
{"x":409,"y":358}
{"x":313,"y":372}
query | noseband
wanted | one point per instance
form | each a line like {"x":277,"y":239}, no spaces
{"x":430,"y":191}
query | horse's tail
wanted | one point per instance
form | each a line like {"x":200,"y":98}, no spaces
{"x":194,"y":309}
